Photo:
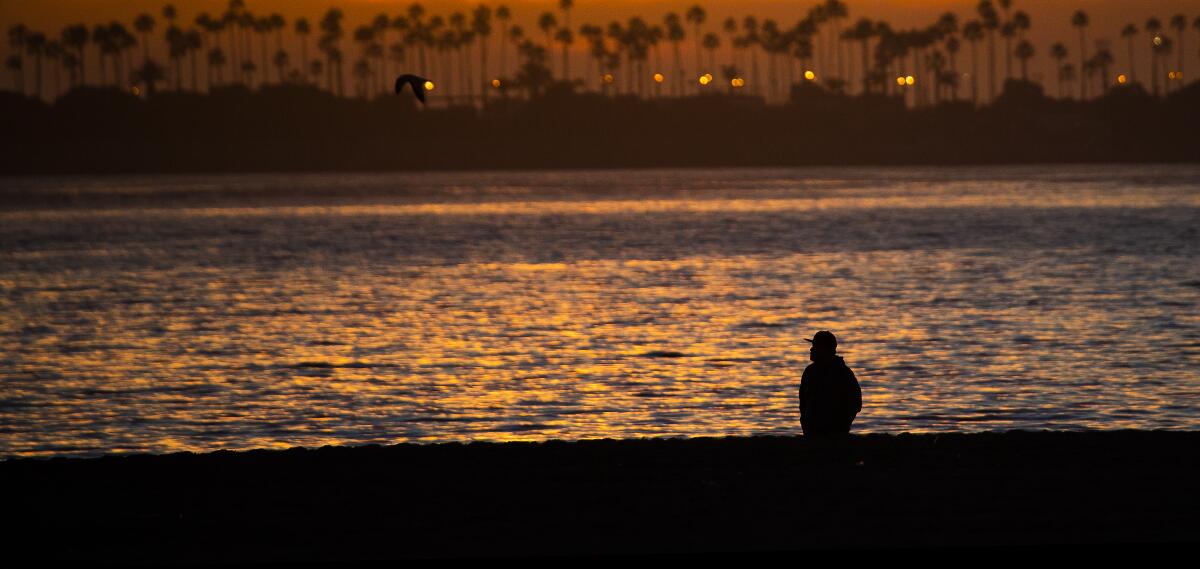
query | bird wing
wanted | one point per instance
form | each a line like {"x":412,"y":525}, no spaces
{"x":418,"y":85}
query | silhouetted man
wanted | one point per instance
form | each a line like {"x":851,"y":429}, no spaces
{"x":829,"y":393}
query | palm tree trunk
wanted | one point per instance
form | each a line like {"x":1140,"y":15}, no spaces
{"x":483,"y":95}
{"x":1007,"y":58}
{"x":991,"y":65}
{"x":1132,"y":68}
{"x":866,"y":61}
{"x":754,"y":68}
{"x":1082,"y":65}
{"x":266,"y":62}
{"x":974,"y":73}
{"x":235,"y":54}
{"x":304,"y":56}
{"x":678,"y":71}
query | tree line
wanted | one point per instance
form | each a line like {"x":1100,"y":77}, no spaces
{"x":481,"y":54}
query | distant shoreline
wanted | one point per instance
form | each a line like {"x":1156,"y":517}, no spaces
{"x":610,"y":497}
{"x":298,"y":129}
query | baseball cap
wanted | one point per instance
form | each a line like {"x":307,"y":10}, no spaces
{"x":823,"y":338}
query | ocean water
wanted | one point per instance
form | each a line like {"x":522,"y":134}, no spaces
{"x":158,"y":314}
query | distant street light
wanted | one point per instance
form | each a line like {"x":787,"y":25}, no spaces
{"x":810,"y":75}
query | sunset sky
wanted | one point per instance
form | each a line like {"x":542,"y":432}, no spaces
{"x":1051,"y":18}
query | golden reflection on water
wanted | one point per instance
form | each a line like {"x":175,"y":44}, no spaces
{"x":327,"y":325}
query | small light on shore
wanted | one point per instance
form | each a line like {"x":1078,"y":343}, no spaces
{"x":737,"y":82}
{"x":706,"y":79}
{"x":900,"y":81}
{"x":495,"y":83}
{"x":137,"y":91}
{"x":429,"y":86}
{"x":1122,"y":79}
{"x":810,"y":75}
{"x":909,"y":80}
{"x":658,"y":78}
{"x":1171,"y":75}
{"x":608,"y":78}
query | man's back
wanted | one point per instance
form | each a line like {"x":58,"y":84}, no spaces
{"x":829,"y":397}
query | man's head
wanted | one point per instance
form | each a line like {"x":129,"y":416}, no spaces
{"x":824,"y":345}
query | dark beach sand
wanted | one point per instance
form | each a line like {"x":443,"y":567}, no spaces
{"x":762,"y":495}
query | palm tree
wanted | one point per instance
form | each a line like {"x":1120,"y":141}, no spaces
{"x":1024,"y":53}
{"x":71,"y":62}
{"x":454,"y":40}
{"x":1059,"y":52}
{"x":176,"y":48}
{"x":126,"y":44}
{"x":105,"y":46}
{"x":730,"y":27}
{"x":149,"y":74}
{"x":1008,"y":31}
{"x":565,"y":36}
{"x":835,"y":11}
{"x":503,"y":14}
{"x":863,"y":31}
{"x":216,"y":59}
{"x":1102,"y":60}
{"x":547,"y":23}
{"x":303,"y":29}
{"x":675,"y":35}
{"x":1179,"y":24}
{"x":1162,"y":49}
{"x":696,"y":15}
{"x":362,"y":73}
{"x":952,"y":48}
{"x":990,"y":21}
{"x":230,"y":20}
{"x":77,"y":36}
{"x":1066,"y":74}
{"x":516,"y":36}
{"x":281,"y":64}
{"x":751,"y":38}
{"x":316,"y":68}
{"x":594,"y":36}
{"x":973,"y":33}
{"x":144,"y":24}
{"x":711,"y":43}
{"x":1080,"y":20}
{"x":534,"y":74}
{"x":1022,"y":22}
{"x":18,"y":36}
{"x":35,"y":45}
{"x":54,"y":52}
{"x":1153,"y":26}
{"x":1128,"y":32}
{"x":15,"y":64}
{"x":193,"y":43}
{"x":481,"y":24}
{"x":331,"y":35}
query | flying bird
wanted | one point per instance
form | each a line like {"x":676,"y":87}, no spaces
{"x":418,"y":85}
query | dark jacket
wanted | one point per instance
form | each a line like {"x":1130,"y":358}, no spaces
{"x":829,"y":397}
